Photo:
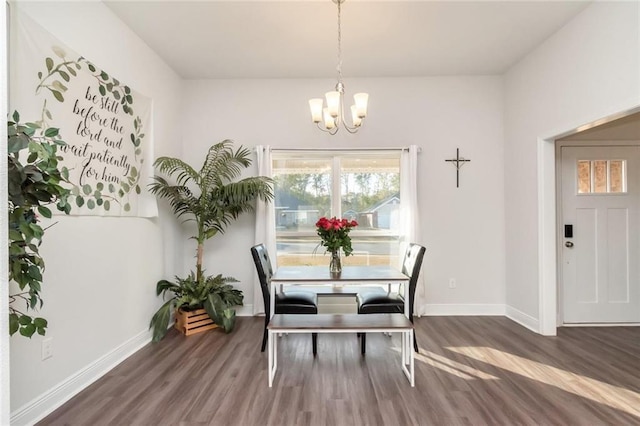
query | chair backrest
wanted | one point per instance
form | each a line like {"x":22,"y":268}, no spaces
{"x":265,"y":272}
{"x":411,"y":266}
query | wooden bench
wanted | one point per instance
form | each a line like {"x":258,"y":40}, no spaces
{"x":350,"y":323}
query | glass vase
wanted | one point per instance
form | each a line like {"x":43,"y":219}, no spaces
{"x":335,"y":265}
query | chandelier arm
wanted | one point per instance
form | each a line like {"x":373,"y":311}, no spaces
{"x":331,"y":132}
{"x":351,"y":129}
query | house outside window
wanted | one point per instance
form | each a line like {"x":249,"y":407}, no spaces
{"x":361,"y":186}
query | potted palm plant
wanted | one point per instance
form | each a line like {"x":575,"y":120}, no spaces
{"x":211,"y":198}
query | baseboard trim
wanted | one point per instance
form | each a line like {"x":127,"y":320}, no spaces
{"x":462,"y":309}
{"x":244,"y":311}
{"x":602,"y":324}
{"x":523,"y":319}
{"x":50,"y":400}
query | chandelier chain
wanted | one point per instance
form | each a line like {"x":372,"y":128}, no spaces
{"x":339,"y":67}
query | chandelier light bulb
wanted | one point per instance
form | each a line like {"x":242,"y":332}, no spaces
{"x":361,"y":100}
{"x":316,"y":109}
{"x":329,"y":122}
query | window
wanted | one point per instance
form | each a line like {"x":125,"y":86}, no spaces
{"x":360,"y":186}
{"x":601,"y":176}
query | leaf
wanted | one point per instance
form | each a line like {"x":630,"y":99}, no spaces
{"x":86,"y":188}
{"x":127,"y":207}
{"x":160,"y":321}
{"x":44,"y":212}
{"x":112,"y":188}
{"x":49,"y":63}
{"x":59,"y":86}
{"x":57,"y":95}
{"x":99,"y":201}
{"x":39,"y":75}
{"x":51,"y":132}
{"x":107,"y":205}
{"x":104,"y":75}
{"x":28,"y":330}
{"x":14,"y":324}
{"x":91,"y":204}
{"x":58,"y":51}
{"x":64,"y":76}
{"x":138,"y":190}
{"x":64,"y":173}
{"x":99,"y":186}
{"x":40,"y":322}
{"x":48,"y":114}
{"x":16,"y":116}
{"x":127,"y":90}
{"x":24,"y":320}
{"x":102,"y":90}
{"x":125,"y":186}
{"x":91,"y":68}
{"x":79,"y":201}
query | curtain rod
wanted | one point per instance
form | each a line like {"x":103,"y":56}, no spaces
{"x":404,"y":148}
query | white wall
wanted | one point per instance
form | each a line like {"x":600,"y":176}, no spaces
{"x":586,"y":71}
{"x":462,"y":228}
{"x":99,"y":285}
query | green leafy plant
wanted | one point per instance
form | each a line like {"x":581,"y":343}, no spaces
{"x":212,"y":199}
{"x":33,"y":183}
{"x":190,"y":294}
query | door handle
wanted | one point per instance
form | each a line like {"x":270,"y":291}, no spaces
{"x":568,"y":244}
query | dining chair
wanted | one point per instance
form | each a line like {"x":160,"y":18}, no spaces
{"x":286,"y":302}
{"x":387,"y":302}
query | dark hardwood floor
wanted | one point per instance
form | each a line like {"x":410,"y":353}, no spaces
{"x":470,"y":371}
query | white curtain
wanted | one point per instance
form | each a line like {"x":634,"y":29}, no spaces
{"x":265,"y":224}
{"x":410,"y":219}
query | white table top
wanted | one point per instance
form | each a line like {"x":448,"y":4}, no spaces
{"x":298,"y":274}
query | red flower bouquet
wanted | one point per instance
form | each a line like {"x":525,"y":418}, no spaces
{"x":335,"y":234}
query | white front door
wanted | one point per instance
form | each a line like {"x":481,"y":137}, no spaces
{"x":601,"y":207}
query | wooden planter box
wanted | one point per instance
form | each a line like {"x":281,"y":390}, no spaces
{"x":192,"y":322}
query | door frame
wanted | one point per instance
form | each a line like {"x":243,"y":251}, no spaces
{"x":548,"y":215}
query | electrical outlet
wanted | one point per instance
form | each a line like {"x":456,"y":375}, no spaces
{"x":47,"y":348}
{"x":452,"y":283}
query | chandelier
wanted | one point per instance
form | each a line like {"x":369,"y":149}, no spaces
{"x":331,"y":117}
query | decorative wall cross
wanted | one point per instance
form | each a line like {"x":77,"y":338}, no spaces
{"x":458,"y":162}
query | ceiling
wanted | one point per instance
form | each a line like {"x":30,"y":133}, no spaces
{"x":298,"y":39}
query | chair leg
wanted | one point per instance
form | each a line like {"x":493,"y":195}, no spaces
{"x":264,"y":339}
{"x":363,"y":343}
{"x":314,"y":342}
{"x":415,"y":342}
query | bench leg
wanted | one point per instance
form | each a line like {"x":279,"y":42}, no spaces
{"x":363,"y":343}
{"x":412,"y":338}
{"x":273,"y":357}
{"x":314,"y":342}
